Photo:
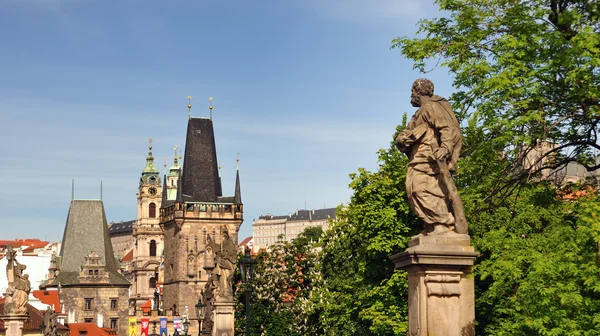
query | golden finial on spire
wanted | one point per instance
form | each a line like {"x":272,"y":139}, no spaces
{"x":220,"y":162}
{"x":180,"y":154}
{"x":150,"y":143}
{"x":165,"y":167}
{"x":189,"y":107}
{"x":237,"y":161}
{"x":210,"y":106}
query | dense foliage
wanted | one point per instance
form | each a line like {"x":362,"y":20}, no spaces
{"x":284,"y":278}
{"x":526,"y":72}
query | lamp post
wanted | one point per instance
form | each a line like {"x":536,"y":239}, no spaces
{"x":247,"y":266}
{"x":200,"y":313}
{"x":42,"y":327}
{"x":186,"y":324}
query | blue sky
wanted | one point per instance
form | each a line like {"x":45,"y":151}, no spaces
{"x":306,"y":91}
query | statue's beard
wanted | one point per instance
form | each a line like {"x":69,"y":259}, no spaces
{"x":415,"y":101}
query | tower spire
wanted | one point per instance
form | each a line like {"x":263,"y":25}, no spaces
{"x":150,"y":160}
{"x":237,"y":198}
{"x":165,"y":190}
{"x":174,"y":170}
{"x":210,"y":106}
{"x":189,"y":107}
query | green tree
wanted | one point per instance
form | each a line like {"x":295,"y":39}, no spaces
{"x":526,"y":71}
{"x":359,"y":293}
{"x":283,"y":282}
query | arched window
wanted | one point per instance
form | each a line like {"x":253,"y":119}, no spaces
{"x":153,"y":248}
{"x":152,"y":283}
{"x":152,"y":211}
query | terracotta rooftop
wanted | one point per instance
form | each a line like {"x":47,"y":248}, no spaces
{"x":128,"y":256}
{"x":245,"y":241}
{"x":146,"y":306}
{"x":49,"y":297}
{"x":30,"y":243}
{"x":89,"y":329}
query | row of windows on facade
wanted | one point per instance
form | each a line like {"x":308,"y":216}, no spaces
{"x":114,"y":305}
{"x":114,"y":324}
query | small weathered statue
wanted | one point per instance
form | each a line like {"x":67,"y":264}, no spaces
{"x":225,"y":255}
{"x":156,"y":299}
{"x":208,"y":300}
{"x":131,"y":307}
{"x":19,"y":287}
{"x":432,"y":142}
{"x":50,"y":322}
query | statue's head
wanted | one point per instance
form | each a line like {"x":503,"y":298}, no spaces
{"x":422,"y":87}
{"x":225,"y":231}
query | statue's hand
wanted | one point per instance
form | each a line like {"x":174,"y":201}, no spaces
{"x":441,"y":153}
{"x":404,"y":139}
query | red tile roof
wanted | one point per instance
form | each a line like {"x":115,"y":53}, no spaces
{"x":36,"y":318}
{"x":30,"y":243}
{"x":128,"y":256}
{"x":49,"y":297}
{"x":147,"y":306}
{"x":89,"y":329}
{"x":245,"y":241}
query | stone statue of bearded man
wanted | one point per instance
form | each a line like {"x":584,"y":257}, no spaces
{"x":432,"y":142}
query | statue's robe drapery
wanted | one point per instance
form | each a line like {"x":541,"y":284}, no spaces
{"x":434,"y":125}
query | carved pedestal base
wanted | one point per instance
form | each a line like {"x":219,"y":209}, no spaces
{"x":224,"y":319}
{"x":441,"y":295}
{"x":14,"y":324}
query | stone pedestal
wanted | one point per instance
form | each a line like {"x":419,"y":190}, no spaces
{"x":224,"y":323}
{"x":14,"y":324}
{"x":441,"y":295}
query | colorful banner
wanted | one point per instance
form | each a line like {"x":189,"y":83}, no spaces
{"x":145,"y":324}
{"x":132,"y":326}
{"x":177,"y":325}
{"x":163,"y":327}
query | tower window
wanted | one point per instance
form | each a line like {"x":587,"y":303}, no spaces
{"x":153,"y":248}
{"x":88,"y":304}
{"x":152,"y":283}
{"x":152,"y":210}
{"x":113,"y":324}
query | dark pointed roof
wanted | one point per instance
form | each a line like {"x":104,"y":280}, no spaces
{"x":86,"y":230}
{"x":201,"y":181}
{"x":238,"y":191}
{"x":179,"y":197}
{"x":163,"y":202}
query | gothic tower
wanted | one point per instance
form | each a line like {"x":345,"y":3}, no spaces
{"x":90,"y":287}
{"x":198,"y":210}
{"x":147,"y":234}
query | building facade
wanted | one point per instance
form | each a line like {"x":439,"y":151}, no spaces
{"x":90,"y":287}
{"x":269,"y":229}
{"x":198,"y":214}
